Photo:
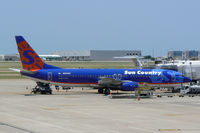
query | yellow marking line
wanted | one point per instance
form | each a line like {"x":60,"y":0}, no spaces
{"x":176,"y":129}
{"x":169,"y":129}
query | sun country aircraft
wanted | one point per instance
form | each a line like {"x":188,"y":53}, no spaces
{"x":102,"y":79}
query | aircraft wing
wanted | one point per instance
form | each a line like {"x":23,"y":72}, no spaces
{"x":104,"y":81}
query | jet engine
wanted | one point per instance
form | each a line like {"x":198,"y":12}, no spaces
{"x":129,"y":86}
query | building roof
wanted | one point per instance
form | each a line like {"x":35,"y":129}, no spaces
{"x":73,"y":53}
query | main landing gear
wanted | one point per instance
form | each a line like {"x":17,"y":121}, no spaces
{"x":104,"y":91}
{"x":100,"y":91}
{"x":42,"y":88}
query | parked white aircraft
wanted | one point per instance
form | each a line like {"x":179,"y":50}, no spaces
{"x":188,"y":68}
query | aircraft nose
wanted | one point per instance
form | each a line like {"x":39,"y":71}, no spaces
{"x":186,"y":79}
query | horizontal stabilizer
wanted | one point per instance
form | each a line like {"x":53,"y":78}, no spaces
{"x":23,"y":71}
{"x":28,"y":72}
{"x":14,"y":69}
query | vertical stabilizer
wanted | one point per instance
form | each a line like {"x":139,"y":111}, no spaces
{"x":29,"y":58}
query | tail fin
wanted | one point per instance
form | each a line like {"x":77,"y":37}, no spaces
{"x":29,"y":58}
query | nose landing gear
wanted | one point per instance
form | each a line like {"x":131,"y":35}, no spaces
{"x":107,"y":91}
{"x":104,"y":91}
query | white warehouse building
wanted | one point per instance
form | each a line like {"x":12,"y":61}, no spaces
{"x":97,"y":55}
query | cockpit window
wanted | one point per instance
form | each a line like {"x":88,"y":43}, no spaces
{"x":179,"y":74}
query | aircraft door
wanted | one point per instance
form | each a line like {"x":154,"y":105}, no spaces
{"x":49,"y":76}
{"x":119,"y":76}
{"x":172,"y":76}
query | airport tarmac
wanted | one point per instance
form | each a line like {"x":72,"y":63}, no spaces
{"x":78,"y":111}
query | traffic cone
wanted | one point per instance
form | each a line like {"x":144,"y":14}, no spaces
{"x":138,"y":97}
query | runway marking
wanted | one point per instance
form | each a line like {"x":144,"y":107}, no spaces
{"x":18,"y":128}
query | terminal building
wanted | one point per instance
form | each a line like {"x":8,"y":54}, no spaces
{"x":10,"y":57}
{"x":82,"y":55}
{"x":184,"y":55}
{"x":97,"y":55}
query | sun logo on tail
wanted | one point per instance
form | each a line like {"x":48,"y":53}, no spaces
{"x":30,"y":60}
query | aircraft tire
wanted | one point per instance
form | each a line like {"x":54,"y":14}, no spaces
{"x":107,"y":91}
{"x":43,"y":92}
{"x":100,"y":91}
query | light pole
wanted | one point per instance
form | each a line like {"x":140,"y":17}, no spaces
{"x":191,"y":70}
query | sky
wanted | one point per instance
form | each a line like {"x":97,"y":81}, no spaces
{"x":152,"y":26}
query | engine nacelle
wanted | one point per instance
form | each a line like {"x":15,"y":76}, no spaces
{"x":129,"y":86}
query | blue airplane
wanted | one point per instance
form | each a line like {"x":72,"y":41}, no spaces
{"x":102,"y":79}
